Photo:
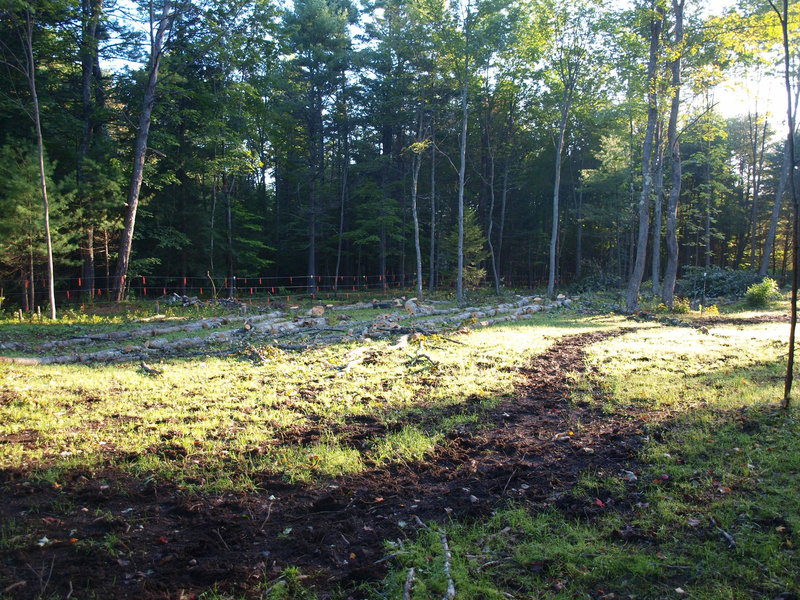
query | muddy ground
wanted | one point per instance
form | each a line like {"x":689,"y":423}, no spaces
{"x":529,"y":450}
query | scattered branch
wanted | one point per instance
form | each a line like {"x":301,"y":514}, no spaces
{"x":409,"y":584}
{"x":728,"y":537}
{"x":150,"y":370}
{"x":451,"y":587}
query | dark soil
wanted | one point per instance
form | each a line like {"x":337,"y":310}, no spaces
{"x":128,"y":538}
{"x":737,"y":321}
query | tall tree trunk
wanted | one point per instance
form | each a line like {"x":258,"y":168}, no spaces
{"x":579,"y":237}
{"x":229,"y":232}
{"x":709,"y":195}
{"x":758,"y":163}
{"x":569,"y":86}
{"x":31,"y":304}
{"x":503,"y":203}
{"x":658,"y":190}
{"x":140,"y":149}
{"x":671,"y":271}
{"x":432,"y":282}
{"x":211,"y":227}
{"x":415,"y":166}
{"x":463,"y":165}
{"x":776,"y":211}
{"x":90,"y":17}
{"x":492,"y":255}
{"x":342,"y":205}
{"x":316,"y":158}
{"x":30,"y":73}
{"x":312,"y":237}
{"x":786,"y":241}
{"x":632,"y":300}
{"x":783,"y":17}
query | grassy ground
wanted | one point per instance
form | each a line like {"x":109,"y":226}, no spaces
{"x":711,"y":508}
{"x":714,"y":511}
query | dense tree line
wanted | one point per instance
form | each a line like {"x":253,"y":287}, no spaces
{"x":324,"y":144}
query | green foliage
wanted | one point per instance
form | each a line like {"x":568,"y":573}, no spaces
{"x":681,"y":305}
{"x":718,"y":281}
{"x":597,"y":279}
{"x":762,"y":294}
{"x":22,"y":241}
{"x":474,"y":250}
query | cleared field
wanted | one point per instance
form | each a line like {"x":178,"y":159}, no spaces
{"x":567,"y":453}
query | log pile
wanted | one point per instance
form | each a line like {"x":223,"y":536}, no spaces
{"x":410,"y":317}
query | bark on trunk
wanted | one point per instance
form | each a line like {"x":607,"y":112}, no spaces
{"x":632,"y":300}
{"x":758,"y":163}
{"x":30,"y":73}
{"x":432,"y":282}
{"x":671,"y":271}
{"x":492,"y":255}
{"x":658,"y":190}
{"x":551,"y":272}
{"x":140,"y":149}
{"x":229,"y":231}
{"x":784,"y":21}
{"x":342,"y":200}
{"x":416,"y":164}
{"x":769,"y":243}
{"x":503,"y":199}
{"x":90,"y":17}
{"x":463,"y":165}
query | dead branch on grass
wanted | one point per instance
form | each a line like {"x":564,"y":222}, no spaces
{"x":409,"y":583}
{"x":728,"y":537}
{"x":150,"y":370}
{"x":451,"y":587}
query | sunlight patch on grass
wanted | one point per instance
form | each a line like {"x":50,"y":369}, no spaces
{"x":408,"y":444}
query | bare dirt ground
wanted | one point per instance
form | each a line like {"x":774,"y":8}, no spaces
{"x":529,"y":450}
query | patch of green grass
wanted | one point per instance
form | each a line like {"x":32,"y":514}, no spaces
{"x":220,"y":423}
{"x":408,"y":444}
{"x":720,"y":460}
{"x":13,"y":535}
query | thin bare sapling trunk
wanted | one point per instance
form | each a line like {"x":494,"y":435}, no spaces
{"x":783,"y":17}
{"x":417,"y":150}
{"x":463,"y":165}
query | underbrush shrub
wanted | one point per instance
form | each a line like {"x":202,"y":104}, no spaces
{"x":599,"y":279}
{"x":730,"y":283}
{"x":760,"y":295}
{"x":681,"y":306}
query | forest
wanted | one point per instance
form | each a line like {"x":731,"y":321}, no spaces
{"x":273,"y":148}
